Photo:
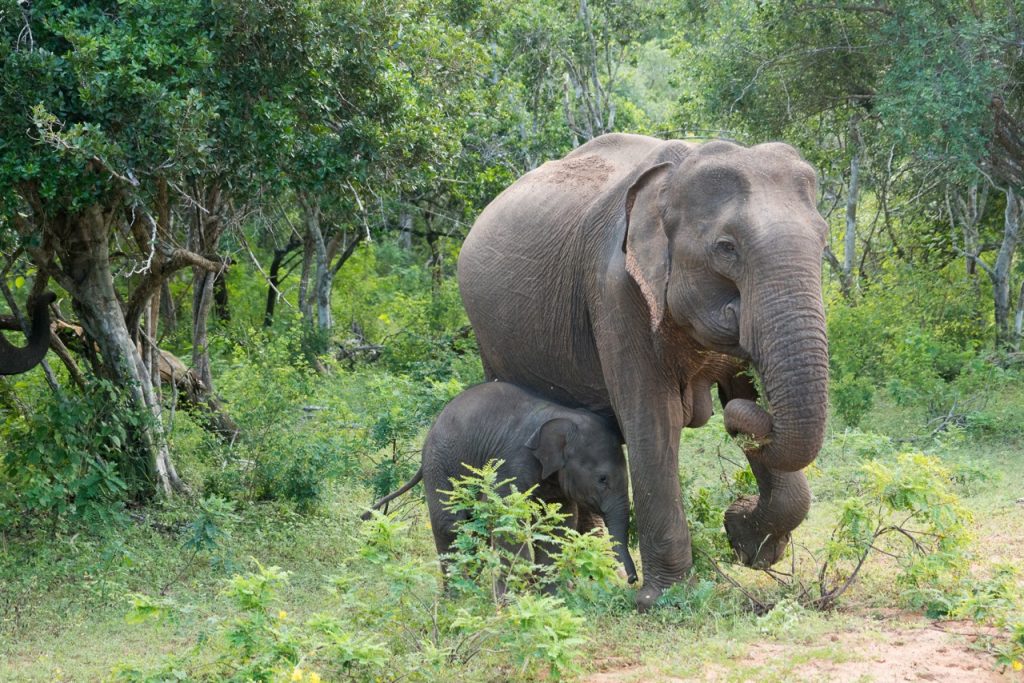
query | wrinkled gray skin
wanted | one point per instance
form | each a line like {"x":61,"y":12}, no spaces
{"x":573,"y":456}
{"x":633,"y":274}
{"x":17,"y":359}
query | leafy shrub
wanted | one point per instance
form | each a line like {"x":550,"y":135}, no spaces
{"x":781,"y":618}
{"x":67,"y":460}
{"x":383,"y":614}
{"x":291,"y":446}
{"x":901,"y":505}
{"x":912,"y":332}
{"x":852,"y":398}
{"x":998,"y":601}
{"x":499,"y":545}
{"x":301,"y":430}
{"x":699,"y":603}
{"x":392,"y":412}
{"x":413,"y":313}
{"x":538,"y":629}
{"x":904,"y":508}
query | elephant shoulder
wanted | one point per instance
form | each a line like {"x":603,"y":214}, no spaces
{"x":615,"y":144}
{"x":578,"y":173}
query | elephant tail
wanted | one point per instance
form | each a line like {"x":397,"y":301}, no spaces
{"x":416,"y":478}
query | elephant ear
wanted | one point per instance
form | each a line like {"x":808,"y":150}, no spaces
{"x":645,"y":243}
{"x":548,"y":444}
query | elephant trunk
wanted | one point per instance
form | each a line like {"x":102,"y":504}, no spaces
{"x":788,"y":347}
{"x":15,"y":360}
{"x":617,"y":523}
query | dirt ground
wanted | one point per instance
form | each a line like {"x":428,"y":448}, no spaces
{"x":915,"y":650}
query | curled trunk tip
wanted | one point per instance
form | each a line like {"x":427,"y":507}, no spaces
{"x":743,"y":416}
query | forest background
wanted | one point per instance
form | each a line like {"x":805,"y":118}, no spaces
{"x":251,"y":214}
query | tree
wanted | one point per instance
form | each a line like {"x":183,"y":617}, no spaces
{"x":99,"y":114}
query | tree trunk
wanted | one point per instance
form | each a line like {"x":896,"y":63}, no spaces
{"x":1018,"y":320}
{"x":168,"y":309}
{"x":436,"y":265}
{"x":221,"y":308}
{"x":966,"y":211}
{"x":405,"y":230}
{"x":275,"y":280}
{"x":324,"y":277}
{"x":305,"y":301}
{"x":597,"y":125}
{"x":204,"y":239}
{"x":81,"y":242}
{"x":202,"y":298}
{"x":1002,"y":271}
{"x":848,"y":278}
{"x":316,"y":271}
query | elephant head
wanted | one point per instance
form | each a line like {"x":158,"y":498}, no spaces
{"x":586,"y":454}
{"x":725,"y":243}
{"x":15,"y":360}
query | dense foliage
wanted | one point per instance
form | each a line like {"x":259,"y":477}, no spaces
{"x":251,"y":214}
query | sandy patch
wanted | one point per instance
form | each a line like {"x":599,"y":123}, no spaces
{"x":918,"y":651}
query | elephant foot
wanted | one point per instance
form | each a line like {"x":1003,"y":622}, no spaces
{"x":756,"y":544}
{"x":647,"y":596}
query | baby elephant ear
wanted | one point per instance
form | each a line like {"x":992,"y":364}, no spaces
{"x":645,"y":243}
{"x":548,"y":444}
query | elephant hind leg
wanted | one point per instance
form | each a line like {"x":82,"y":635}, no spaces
{"x":443,"y":524}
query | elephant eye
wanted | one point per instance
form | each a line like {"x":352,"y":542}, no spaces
{"x":726,"y":246}
{"x":603,"y":480}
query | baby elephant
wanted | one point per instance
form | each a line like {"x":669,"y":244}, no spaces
{"x":573,"y":456}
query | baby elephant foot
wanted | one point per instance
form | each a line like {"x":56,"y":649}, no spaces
{"x":756,"y":544}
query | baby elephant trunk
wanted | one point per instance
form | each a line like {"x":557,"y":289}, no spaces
{"x":617,"y":523}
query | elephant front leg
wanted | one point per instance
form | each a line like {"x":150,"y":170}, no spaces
{"x":664,"y":536}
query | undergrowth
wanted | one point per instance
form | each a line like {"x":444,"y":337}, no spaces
{"x":383,"y":615}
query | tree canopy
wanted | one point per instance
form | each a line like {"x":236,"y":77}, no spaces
{"x":219,"y":149}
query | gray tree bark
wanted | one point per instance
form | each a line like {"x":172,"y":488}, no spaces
{"x":1002,"y":271}
{"x":848,"y":277}
{"x":204,"y":238}
{"x":81,"y":242}
{"x":405,"y":230}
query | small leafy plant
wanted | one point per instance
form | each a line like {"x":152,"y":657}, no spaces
{"x":383,"y":612}
{"x":499,"y":544}
{"x":904,"y":509}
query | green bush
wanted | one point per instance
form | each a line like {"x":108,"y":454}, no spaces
{"x":912,"y":332}
{"x":852,"y":398}
{"x":383,"y":615}
{"x":66,"y":461}
{"x":905,"y":509}
{"x":500,"y":543}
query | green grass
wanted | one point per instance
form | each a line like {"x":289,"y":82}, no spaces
{"x":64,"y":593}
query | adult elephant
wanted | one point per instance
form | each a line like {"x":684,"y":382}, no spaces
{"x":635,"y":273}
{"x":14,"y":359}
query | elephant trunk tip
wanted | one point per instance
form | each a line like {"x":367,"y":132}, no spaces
{"x":763,"y":439}
{"x":743,"y":416}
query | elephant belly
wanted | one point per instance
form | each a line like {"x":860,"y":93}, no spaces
{"x":523,"y":290}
